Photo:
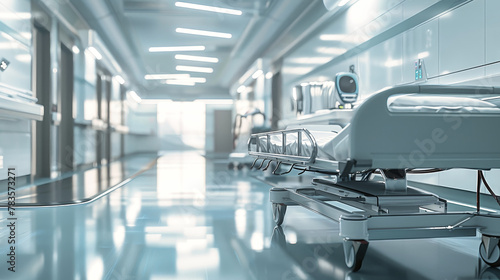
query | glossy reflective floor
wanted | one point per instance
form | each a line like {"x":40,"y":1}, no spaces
{"x":191,"y":218}
{"x":81,"y":186}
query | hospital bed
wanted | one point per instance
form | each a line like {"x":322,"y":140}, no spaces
{"x":393,"y":132}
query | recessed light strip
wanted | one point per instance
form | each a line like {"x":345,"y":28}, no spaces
{"x":196,"y":58}
{"x":203,"y":33}
{"x":177,"y":49}
{"x":95,"y":53}
{"x":208,"y":8}
{"x":120,"y":79}
{"x":194,"y":69}
{"x":166,"y":76}
{"x":190,"y":80}
{"x":180,"y":82}
{"x":257,"y":74}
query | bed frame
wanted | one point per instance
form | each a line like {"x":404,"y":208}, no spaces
{"x":393,"y":143}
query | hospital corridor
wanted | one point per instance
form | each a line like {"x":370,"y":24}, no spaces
{"x":249,"y":139}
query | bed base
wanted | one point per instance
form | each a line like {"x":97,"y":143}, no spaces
{"x":389,"y":209}
{"x":366,"y":212}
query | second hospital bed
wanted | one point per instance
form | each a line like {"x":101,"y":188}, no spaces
{"x":394,"y":131}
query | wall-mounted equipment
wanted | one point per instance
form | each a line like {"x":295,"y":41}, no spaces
{"x":420,"y":71}
{"x":347,"y":89}
{"x":4,"y":63}
{"x":340,"y":93}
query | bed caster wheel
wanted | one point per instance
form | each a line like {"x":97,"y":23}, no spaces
{"x":239,"y":166}
{"x":489,"y":250}
{"x":279,"y":211}
{"x":230,"y":166}
{"x":354,"y":253}
{"x":278,"y":238}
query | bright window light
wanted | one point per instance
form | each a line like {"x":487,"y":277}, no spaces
{"x":95,"y":53}
{"x":343,"y":2}
{"x":196,"y":58}
{"x":194,"y":69}
{"x":180,"y":82}
{"x":257,"y":74}
{"x":203,"y":33}
{"x":208,"y":8}
{"x":14,"y":16}
{"x":120,"y":79}
{"x":177,"y":49}
{"x":166,"y":76}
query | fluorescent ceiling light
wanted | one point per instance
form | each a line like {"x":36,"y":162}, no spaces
{"x":208,"y":8}
{"x":241,"y":89}
{"x":166,"y":76}
{"x":310,"y":60}
{"x":269,"y":75}
{"x":95,"y":53}
{"x":343,"y":2}
{"x":332,"y":37}
{"x":135,"y":96}
{"x":332,"y":50}
{"x":196,"y":80}
{"x":257,"y":74}
{"x":297,"y":70}
{"x":196,"y":58}
{"x":180,"y":82}
{"x":177,"y":49}
{"x":203,"y":33}
{"x":194,"y":69}
{"x":340,"y":38}
{"x":120,"y":79}
{"x":190,"y":80}
{"x":75,"y":50}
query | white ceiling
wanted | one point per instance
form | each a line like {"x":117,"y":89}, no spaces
{"x":131,"y":27}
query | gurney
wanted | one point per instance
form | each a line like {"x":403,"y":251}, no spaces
{"x":393,"y":132}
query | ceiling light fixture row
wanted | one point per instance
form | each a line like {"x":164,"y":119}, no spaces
{"x":203,"y":33}
{"x":177,"y":49}
{"x":209,"y":8}
{"x":196,"y":58}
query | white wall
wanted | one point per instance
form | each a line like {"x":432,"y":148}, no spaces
{"x":463,"y":38}
{"x":143,"y":128}
{"x":15,"y":39}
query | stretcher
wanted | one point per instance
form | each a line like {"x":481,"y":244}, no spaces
{"x":395,"y":131}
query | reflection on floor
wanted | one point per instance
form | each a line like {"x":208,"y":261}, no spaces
{"x":81,"y":186}
{"x":191,"y":218}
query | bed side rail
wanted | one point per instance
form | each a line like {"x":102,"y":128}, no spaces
{"x":293,"y":146}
